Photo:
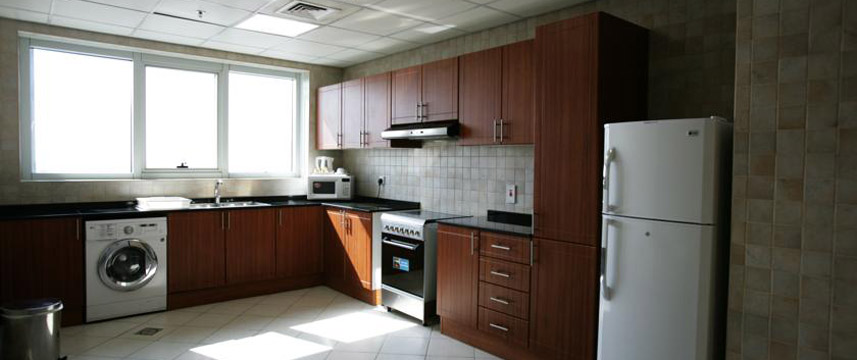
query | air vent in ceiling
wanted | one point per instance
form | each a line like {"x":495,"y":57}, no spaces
{"x":308,"y":10}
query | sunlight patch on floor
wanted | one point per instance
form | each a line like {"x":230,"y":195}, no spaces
{"x":269,"y":345}
{"x":353,"y":327}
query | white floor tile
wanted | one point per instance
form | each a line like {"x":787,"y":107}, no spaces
{"x":133,"y":333}
{"x":162,"y":351}
{"x":228,"y":334}
{"x":189,"y":334}
{"x":450,"y":348}
{"x":211,"y":320}
{"x":177,"y":317}
{"x":345,"y":355}
{"x":72,"y":330}
{"x":399,"y":357}
{"x":199,"y":308}
{"x":117,"y":348}
{"x":484,"y":355}
{"x":267,"y":309}
{"x":77,"y":344}
{"x":108,"y":328}
{"x":249,"y":322}
{"x":405,"y":345}
{"x":372,"y":345}
{"x":230,"y":308}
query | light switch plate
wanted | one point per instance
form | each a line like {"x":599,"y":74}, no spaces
{"x":511,"y":193}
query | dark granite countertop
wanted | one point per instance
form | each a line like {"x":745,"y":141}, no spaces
{"x":128,"y":208}
{"x":482,"y":223}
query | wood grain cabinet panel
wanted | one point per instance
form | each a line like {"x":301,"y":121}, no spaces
{"x":377,"y":108}
{"x":440,"y":90}
{"x":480,"y":96}
{"x":334,"y":246}
{"x":512,"y":330}
{"x":407,"y":94}
{"x":44,"y":259}
{"x":457,"y":274}
{"x":518,"y":119}
{"x":299,"y":244}
{"x":507,"y":301}
{"x":359,"y":249}
{"x":196,"y":248}
{"x":352,"y":114}
{"x":250,"y":237}
{"x":505,"y":247}
{"x":329,"y":117}
{"x":505,"y":273}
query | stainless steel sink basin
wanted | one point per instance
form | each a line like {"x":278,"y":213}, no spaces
{"x":229,"y":204}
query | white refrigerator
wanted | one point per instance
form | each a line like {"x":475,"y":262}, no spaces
{"x":665,"y":193}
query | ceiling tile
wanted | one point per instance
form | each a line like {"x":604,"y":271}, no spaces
{"x":532,"y":7}
{"x":24,"y":15}
{"x":428,"y":33}
{"x":388,"y":45}
{"x":308,"y":48}
{"x":332,"y":62}
{"x":280,"y":54}
{"x":376,"y":22}
{"x":358,"y":2}
{"x":99,"y":13}
{"x":43,"y":6}
{"x":354,"y":55}
{"x":142,"y":5}
{"x":91,"y":26}
{"x":334,"y":36}
{"x":168,"y":38}
{"x":232,"y":47}
{"x":478,"y":19}
{"x":249,"y":38}
{"x":249,"y":5}
{"x":424,"y":10}
{"x":214,"y":13}
{"x":184,"y":28}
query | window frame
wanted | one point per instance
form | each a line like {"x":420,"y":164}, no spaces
{"x":141,"y":59}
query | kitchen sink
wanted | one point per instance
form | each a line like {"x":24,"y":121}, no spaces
{"x":229,"y":204}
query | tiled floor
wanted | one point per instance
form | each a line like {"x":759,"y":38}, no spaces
{"x":316,"y":323}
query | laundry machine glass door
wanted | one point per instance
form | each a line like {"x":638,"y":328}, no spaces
{"x":127,"y":265}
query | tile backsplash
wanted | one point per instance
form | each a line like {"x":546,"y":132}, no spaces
{"x":443,"y":176}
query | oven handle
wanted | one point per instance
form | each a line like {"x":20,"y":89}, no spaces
{"x":400,"y":244}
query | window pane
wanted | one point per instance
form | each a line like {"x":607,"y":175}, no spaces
{"x":82,"y":113}
{"x":261,"y":123}
{"x":181,"y":118}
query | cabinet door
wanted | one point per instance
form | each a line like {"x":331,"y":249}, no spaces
{"x":329,"y":117}
{"x":352,"y":114}
{"x":299,"y":241}
{"x":563,"y":308}
{"x":377,"y":109}
{"x":358,"y":249}
{"x":407,"y":85}
{"x":43,"y":258}
{"x":480,"y":96}
{"x":440,"y":90}
{"x":250,"y":236}
{"x":567,"y":153}
{"x":196,"y":249}
{"x":334,"y":245}
{"x":518,"y":93}
{"x":457,"y":274}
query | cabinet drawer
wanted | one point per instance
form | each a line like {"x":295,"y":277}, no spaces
{"x":514,"y":331}
{"x":506,"y":247}
{"x":507,"y":301}
{"x":504,"y":273}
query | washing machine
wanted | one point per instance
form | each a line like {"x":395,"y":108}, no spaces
{"x":126,"y":267}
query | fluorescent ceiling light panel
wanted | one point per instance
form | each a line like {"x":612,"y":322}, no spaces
{"x":275,"y":25}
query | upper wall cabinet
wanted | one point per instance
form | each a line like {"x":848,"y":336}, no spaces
{"x":377,"y":109}
{"x":428,"y":92}
{"x":352,"y":114}
{"x":497,"y":93}
{"x":329,"y":117}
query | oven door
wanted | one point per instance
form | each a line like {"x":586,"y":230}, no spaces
{"x":402,"y":263}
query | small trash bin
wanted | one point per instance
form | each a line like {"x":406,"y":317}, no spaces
{"x":30,"y":330}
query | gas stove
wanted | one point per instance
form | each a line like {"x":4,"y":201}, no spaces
{"x":411,"y":223}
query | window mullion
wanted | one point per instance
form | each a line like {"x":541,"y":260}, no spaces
{"x":139,"y":132}
{"x":223,"y":121}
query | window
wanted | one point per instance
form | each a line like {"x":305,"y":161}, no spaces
{"x":90,"y":112}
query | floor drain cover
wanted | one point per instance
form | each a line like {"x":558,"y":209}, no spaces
{"x":149,"y":331}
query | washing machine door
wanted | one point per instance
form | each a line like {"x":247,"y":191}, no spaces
{"x":127,"y":265}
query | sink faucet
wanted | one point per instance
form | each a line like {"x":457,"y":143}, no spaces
{"x":217,"y":186}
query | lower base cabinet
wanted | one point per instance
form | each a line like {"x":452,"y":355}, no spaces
{"x":348,"y":253}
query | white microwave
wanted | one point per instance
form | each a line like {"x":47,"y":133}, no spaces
{"x":329,"y":187}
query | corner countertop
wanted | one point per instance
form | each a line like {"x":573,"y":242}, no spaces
{"x":482,"y":223}
{"x":128,"y":208}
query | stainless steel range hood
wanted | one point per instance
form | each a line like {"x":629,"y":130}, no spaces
{"x":436,"y":130}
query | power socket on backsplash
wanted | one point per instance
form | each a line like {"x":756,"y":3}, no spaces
{"x":511,"y":193}
{"x":382,"y":180}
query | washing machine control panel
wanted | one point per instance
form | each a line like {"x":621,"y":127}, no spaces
{"x":99,"y":230}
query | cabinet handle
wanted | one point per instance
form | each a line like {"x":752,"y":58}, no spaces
{"x":498,"y":327}
{"x":499,"y":300}
{"x":501,"y":274}
{"x":77,"y":229}
{"x":495,"y":130}
{"x":532,"y":251}
{"x":501,"y":130}
{"x":501,"y":247}
{"x":280,"y":217}
{"x":419,"y":116}
{"x":472,"y":235}
{"x":228,"y":221}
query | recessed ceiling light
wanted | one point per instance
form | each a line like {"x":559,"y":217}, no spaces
{"x":275,"y":25}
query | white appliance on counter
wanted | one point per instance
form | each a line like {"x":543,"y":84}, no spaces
{"x":126,"y":267}
{"x":329,"y":187}
{"x":665,"y":189}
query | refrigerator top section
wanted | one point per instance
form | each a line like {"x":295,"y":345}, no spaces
{"x":669,"y":170}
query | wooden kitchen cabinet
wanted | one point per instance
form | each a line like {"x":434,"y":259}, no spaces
{"x":358,"y":249}
{"x":196,"y":248}
{"x":352,"y":114}
{"x":457,"y":274}
{"x":427,"y":92}
{"x":348,"y":253}
{"x":590,"y":70}
{"x":497,"y":95}
{"x":377,"y":109}
{"x":299,"y":244}
{"x":564,"y":300}
{"x":334,"y":247}
{"x":250,"y":237}
{"x":329,"y":117}
{"x":43,"y":259}
{"x":406,"y":96}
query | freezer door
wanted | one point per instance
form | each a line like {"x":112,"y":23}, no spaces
{"x":657,"y":290}
{"x":665,"y":169}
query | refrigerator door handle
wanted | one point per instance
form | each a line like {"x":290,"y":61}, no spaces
{"x":605,"y":179}
{"x":605,"y":290}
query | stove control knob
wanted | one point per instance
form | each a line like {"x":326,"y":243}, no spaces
{"x":418,"y":233}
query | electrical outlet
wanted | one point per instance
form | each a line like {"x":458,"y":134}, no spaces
{"x":511,"y":193}
{"x":382,"y":180}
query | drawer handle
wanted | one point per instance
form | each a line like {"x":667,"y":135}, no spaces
{"x":499,"y":300}
{"x":497,"y":273}
{"x":501,"y":247}
{"x":498,"y":327}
